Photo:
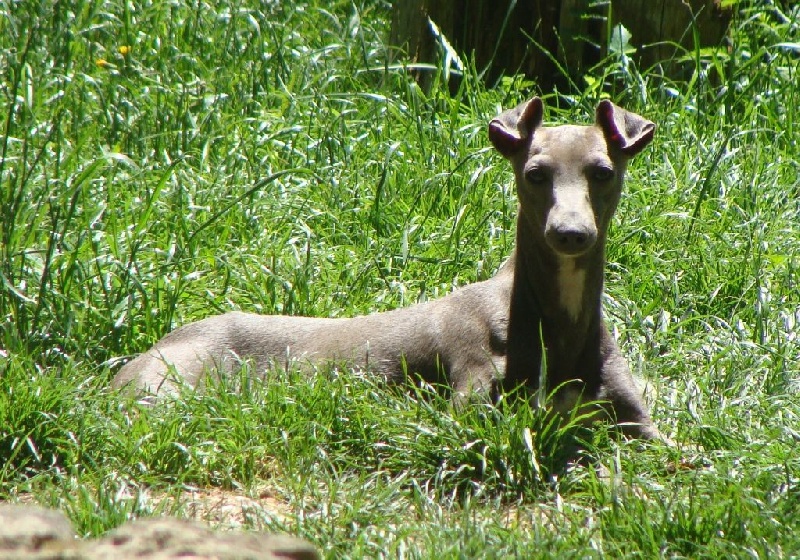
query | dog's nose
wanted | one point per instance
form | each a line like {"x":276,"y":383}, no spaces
{"x":571,"y":240}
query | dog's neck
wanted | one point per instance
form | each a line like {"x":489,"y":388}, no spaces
{"x":555,"y":303}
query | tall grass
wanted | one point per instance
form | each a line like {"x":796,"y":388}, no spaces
{"x":160,"y":162}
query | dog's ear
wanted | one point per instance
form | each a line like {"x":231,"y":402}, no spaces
{"x":510,"y":131}
{"x":626,"y":131}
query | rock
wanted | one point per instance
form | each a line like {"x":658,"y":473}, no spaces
{"x":30,"y":529}
{"x":163,"y":538}
{"x":30,"y":532}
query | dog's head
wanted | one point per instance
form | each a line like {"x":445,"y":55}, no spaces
{"x":569,"y":178}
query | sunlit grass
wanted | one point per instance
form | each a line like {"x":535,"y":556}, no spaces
{"x":274,"y":158}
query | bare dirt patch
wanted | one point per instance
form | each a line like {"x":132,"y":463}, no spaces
{"x":234,"y":509}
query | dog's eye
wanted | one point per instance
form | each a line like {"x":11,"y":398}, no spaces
{"x":602,"y":173}
{"x":536,"y":175}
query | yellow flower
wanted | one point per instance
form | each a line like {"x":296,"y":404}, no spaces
{"x":124,"y":50}
{"x":102,"y":63}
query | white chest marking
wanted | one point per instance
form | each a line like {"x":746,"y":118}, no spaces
{"x":570,"y":285}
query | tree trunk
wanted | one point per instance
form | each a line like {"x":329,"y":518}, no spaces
{"x":554,"y":41}
{"x":664,"y":30}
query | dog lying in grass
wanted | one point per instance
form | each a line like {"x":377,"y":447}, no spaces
{"x":484,"y":337}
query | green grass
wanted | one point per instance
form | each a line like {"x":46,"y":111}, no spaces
{"x":278,"y":159}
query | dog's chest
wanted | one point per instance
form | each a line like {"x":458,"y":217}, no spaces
{"x":571,"y":283}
